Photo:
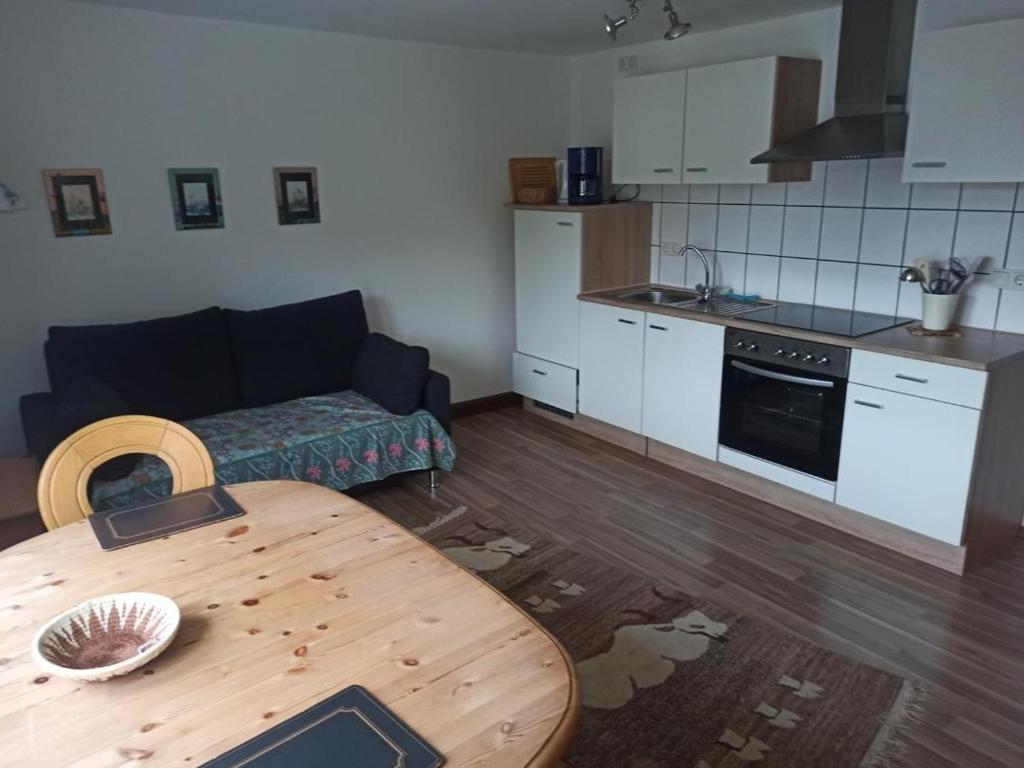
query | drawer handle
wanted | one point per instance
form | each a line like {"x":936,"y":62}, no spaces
{"x":627,"y":322}
{"x":698,"y":169}
{"x":930,"y":164}
{"x":865,"y":403}
{"x":540,"y":373}
{"x":566,"y":224}
{"x":664,"y":170}
{"x":914,"y":379}
{"x":658,"y":327}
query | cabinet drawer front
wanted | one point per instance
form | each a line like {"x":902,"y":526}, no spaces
{"x":547,"y":382}
{"x":961,"y":386}
{"x":907,"y":460}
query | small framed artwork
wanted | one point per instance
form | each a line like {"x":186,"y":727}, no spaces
{"x":78,"y":202}
{"x":298,"y":200}
{"x":195,"y":195}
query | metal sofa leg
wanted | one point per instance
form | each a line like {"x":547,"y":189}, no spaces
{"x":433,"y":480}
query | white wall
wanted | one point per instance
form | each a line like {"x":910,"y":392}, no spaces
{"x":410,"y":140}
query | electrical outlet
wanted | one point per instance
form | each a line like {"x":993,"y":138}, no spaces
{"x":1010,"y":279}
{"x":669,"y":248}
{"x":628,"y":63}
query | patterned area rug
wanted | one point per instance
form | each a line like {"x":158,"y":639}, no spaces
{"x":670,"y":680}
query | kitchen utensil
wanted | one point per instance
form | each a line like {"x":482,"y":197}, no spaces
{"x":106,"y":636}
{"x":914,"y":275}
{"x":940,"y":285}
{"x":926,"y":270}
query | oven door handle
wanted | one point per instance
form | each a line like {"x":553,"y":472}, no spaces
{"x":823,"y":383}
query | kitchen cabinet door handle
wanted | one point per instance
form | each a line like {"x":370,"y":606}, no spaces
{"x":540,"y":373}
{"x":787,"y":377}
{"x":627,"y":322}
{"x":865,"y":403}
{"x":664,"y":170}
{"x":658,"y":327}
{"x":566,"y":224}
{"x":914,"y":379}
{"x":698,"y":169}
{"x":929,"y":164}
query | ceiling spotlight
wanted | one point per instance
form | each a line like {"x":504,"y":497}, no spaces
{"x":612,"y":26}
{"x":676,"y":28}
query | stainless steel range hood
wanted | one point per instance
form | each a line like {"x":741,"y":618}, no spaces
{"x":875,"y":42}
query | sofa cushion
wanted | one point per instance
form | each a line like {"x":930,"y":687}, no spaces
{"x":174,"y":367}
{"x":87,"y":400}
{"x":391,"y":373}
{"x":296,"y":350}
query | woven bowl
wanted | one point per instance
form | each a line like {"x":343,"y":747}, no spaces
{"x":107,"y":636}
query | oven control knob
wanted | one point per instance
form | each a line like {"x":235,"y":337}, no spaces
{"x":740,"y":344}
{"x":793,"y":355}
{"x":780,"y":352}
{"x":751,"y":347}
{"x":809,"y":358}
{"x":824,"y":360}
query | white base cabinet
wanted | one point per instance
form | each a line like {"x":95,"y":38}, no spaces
{"x":907,"y":460}
{"x":611,"y":364}
{"x":682,"y":383}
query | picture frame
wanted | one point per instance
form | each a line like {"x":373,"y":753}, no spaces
{"x":196,"y":198}
{"x":297,"y":194}
{"x":78,"y":202}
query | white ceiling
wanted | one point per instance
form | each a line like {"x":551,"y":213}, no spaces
{"x":540,"y":26}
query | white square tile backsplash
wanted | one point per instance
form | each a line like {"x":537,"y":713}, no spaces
{"x":839,"y":239}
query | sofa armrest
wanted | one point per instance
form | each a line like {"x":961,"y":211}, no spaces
{"x":437,"y":398}
{"x":38,"y":412}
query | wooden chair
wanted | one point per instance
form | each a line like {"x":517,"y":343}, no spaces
{"x":63,"y":483}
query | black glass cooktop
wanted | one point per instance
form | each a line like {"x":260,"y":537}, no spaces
{"x":839,"y":322}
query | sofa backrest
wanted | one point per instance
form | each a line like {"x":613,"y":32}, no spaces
{"x":176,"y":368}
{"x":296,"y":350}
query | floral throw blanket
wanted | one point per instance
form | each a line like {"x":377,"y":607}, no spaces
{"x":338,"y":440}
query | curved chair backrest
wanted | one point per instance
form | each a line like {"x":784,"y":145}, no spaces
{"x":64,"y":482}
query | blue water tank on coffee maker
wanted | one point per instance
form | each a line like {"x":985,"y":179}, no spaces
{"x":584,"y":169}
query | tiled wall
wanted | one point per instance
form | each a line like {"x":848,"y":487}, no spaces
{"x":840,"y":239}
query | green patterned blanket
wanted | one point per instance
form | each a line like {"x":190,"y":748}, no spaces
{"x":338,"y":440}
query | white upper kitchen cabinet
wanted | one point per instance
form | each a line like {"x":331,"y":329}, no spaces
{"x":548,"y":265}
{"x":907,"y":460}
{"x":648,"y":130}
{"x":682,"y":383}
{"x":967,"y":105}
{"x":611,"y":364}
{"x":737,"y":110}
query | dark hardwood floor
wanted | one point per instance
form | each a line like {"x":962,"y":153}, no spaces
{"x":964,"y":636}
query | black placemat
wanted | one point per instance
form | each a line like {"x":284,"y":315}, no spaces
{"x":351,"y":729}
{"x":123,"y":527}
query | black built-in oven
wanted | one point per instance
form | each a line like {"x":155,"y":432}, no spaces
{"x":783,"y":400}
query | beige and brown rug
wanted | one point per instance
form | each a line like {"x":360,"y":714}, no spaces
{"x":669,"y":680}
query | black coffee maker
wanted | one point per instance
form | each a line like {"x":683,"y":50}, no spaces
{"x":584,"y":169}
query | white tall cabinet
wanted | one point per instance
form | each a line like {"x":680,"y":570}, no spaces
{"x":682,"y":383}
{"x":967,"y":105}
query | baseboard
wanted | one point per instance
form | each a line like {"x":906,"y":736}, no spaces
{"x":466,"y":408}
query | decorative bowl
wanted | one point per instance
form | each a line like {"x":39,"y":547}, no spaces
{"x":107,"y":636}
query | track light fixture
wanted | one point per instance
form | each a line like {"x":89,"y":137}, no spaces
{"x":676,"y":28}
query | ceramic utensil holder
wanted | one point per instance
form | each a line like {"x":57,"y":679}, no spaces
{"x":938,"y":310}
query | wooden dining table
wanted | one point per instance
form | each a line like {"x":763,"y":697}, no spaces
{"x":307,"y":593}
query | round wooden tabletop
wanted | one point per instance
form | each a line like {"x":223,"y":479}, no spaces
{"x":306,"y":594}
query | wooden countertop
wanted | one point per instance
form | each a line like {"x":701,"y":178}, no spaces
{"x":566,"y":208}
{"x":978,"y":349}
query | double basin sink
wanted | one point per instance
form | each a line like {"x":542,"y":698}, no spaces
{"x":681,"y":299}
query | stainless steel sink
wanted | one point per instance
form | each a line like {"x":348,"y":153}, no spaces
{"x":717,"y":305}
{"x":690,"y":300}
{"x":659,"y":296}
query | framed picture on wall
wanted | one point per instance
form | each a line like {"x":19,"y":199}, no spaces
{"x":78,"y":202}
{"x":195,"y":195}
{"x":298,"y":199}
